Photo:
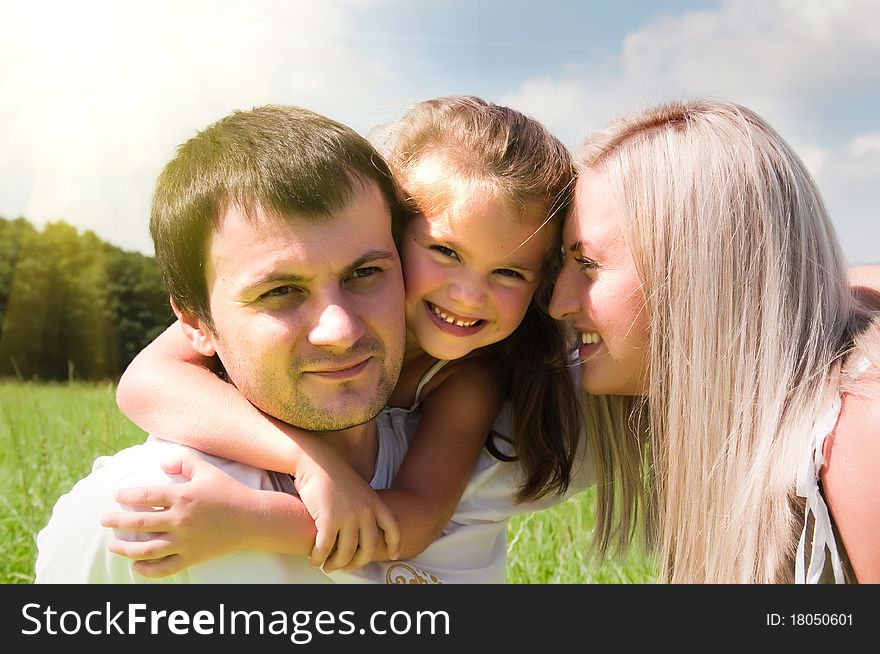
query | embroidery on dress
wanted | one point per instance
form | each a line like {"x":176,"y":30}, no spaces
{"x":402,"y":573}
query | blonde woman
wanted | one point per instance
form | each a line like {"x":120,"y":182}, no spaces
{"x":731,"y":374}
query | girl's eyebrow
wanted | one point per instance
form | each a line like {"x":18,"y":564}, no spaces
{"x":518,"y":266}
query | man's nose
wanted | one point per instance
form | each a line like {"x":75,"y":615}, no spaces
{"x":337,"y":327}
{"x":566,"y":299}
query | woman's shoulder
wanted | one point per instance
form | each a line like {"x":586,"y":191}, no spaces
{"x":857,"y":432}
{"x":851,"y":478}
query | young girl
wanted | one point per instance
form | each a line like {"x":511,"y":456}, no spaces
{"x":732,"y":373}
{"x":491,"y":187}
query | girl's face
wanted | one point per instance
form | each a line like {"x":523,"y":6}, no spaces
{"x":470,"y":272}
{"x":600,"y":292}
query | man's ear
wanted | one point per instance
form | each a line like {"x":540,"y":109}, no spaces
{"x":196,"y":331}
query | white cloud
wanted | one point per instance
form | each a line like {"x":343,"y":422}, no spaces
{"x":849,"y":181}
{"x":814,"y":159}
{"x":864,"y":144}
{"x":770,"y":55}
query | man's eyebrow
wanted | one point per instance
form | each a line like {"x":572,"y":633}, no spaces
{"x":371,"y":256}
{"x":275,"y":278}
{"x":292,"y":278}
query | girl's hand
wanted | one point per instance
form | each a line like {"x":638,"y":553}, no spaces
{"x":179,"y":525}
{"x":353,"y":523}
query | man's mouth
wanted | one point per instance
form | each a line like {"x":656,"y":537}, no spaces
{"x":340,"y":371}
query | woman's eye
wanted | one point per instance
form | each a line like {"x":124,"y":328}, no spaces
{"x":445,"y":251}
{"x":586,"y":263}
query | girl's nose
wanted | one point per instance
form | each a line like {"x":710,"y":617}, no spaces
{"x":467,"y":293}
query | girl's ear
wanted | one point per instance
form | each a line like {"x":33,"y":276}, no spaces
{"x":196,"y":331}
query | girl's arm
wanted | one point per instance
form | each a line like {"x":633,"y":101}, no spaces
{"x":851,"y":484}
{"x":172,"y":391}
{"x":457,"y":416}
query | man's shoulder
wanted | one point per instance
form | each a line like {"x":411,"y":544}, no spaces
{"x":72,"y":547}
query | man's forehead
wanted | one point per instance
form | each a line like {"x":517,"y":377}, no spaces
{"x":261,"y":244}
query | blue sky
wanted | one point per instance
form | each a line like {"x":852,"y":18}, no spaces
{"x":97,"y":93}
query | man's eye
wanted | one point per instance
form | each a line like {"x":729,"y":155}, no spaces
{"x":445,"y":251}
{"x":280,"y":291}
{"x":366,"y":271}
{"x":510,"y":274}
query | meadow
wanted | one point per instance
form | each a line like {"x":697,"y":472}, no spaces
{"x":51,"y":433}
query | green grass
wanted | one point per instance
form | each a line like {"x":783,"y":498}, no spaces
{"x":49,"y":436}
{"x":553,"y":547}
{"x":51,"y":433}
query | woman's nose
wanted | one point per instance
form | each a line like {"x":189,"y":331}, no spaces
{"x":565,"y":301}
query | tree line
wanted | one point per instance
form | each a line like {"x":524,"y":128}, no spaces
{"x":73,"y":306}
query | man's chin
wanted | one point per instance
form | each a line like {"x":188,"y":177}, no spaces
{"x":334,"y":416}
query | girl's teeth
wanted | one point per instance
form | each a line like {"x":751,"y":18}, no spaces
{"x":450,"y":320}
{"x":588,"y":338}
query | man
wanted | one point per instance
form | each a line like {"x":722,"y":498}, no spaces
{"x":273,"y":234}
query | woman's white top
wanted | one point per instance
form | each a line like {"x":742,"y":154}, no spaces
{"x":808,"y":488}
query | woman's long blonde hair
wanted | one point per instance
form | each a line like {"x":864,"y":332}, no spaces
{"x":751,"y":318}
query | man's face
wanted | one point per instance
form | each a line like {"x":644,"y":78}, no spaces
{"x":308,"y":312}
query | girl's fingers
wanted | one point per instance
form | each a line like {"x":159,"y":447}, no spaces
{"x":140,"y":521}
{"x":387,"y":522}
{"x":163,"y":567}
{"x":346,"y":545}
{"x":151,"y":496}
{"x":186,"y":464}
{"x":156,"y":548}
{"x":325,"y":541}
{"x":366,"y":547}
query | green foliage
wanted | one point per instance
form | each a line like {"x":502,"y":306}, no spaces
{"x":73,"y":306}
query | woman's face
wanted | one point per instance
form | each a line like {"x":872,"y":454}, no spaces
{"x":600,"y":293}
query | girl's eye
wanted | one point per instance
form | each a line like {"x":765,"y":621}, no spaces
{"x":511,"y":274}
{"x":445,"y":251}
